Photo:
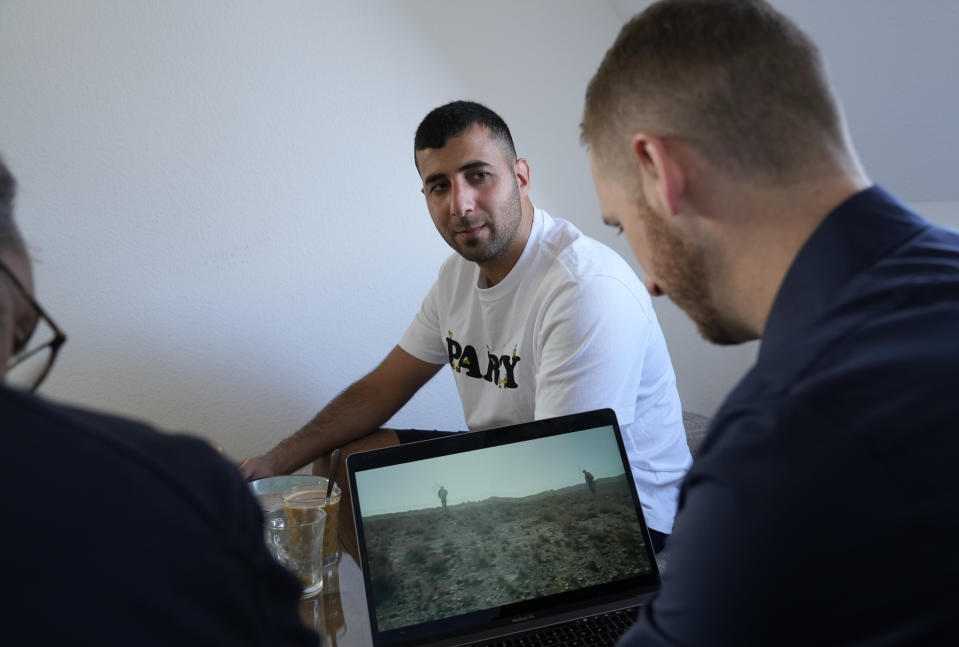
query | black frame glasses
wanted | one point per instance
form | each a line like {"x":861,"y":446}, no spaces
{"x":23,"y":354}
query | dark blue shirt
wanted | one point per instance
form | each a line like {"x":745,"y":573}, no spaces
{"x":115,"y":534}
{"x":823,"y":506}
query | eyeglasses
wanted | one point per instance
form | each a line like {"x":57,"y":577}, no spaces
{"x":31,"y":363}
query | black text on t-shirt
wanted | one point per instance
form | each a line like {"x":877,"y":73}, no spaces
{"x":465,"y":359}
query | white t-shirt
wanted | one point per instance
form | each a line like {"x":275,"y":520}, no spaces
{"x":571,"y":328}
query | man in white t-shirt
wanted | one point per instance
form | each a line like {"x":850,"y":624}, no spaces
{"x":535,"y":319}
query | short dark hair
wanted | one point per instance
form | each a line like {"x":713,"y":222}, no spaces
{"x":455,"y":117}
{"x":8,"y":189}
{"x":735,"y":77}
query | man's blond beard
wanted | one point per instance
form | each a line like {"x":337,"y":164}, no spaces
{"x":681,"y":266}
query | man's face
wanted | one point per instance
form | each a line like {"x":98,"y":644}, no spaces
{"x":472,"y":194}
{"x":674,"y":264}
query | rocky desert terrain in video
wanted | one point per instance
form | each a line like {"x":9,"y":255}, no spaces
{"x":478,"y":555}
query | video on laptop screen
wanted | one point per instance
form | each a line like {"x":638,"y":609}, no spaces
{"x":491,"y":527}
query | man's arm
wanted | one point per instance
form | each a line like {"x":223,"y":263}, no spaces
{"x":359,"y":410}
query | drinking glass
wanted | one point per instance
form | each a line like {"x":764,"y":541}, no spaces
{"x":298,"y":546}
{"x":302,"y":502}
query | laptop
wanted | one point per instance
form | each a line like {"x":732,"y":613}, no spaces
{"x":466,"y":539}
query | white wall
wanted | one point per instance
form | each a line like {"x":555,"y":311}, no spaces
{"x":221,"y":202}
{"x":941,"y":213}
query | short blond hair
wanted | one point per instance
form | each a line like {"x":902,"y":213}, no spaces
{"x":736,"y":78}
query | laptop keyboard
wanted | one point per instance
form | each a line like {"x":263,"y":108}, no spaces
{"x":601,"y":630}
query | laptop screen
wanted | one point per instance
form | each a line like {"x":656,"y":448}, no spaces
{"x":488,"y":527}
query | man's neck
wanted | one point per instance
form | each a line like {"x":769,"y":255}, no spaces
{"x":495,"y":270}
{"x":760,"y":247}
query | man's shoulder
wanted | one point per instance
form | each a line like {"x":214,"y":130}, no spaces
{"x":70,"y":420}
{"x":84,"y":440}
{"x":559,"y":234}
{"x":455,"y":269}
{"x":192,"y":516}
{"x":21,"y":409}
{"x":896,"y":316}
{"x":580,"y":255}
{"x":881,"y":367}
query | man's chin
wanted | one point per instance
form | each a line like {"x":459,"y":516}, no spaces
{"x":472,"y":250}
{"x":712,"y":326}
{"x":715,"y":332}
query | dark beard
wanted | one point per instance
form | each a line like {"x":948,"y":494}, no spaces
{"x":502,"y":237}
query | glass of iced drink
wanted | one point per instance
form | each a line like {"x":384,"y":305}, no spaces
{"x":301,"y":504}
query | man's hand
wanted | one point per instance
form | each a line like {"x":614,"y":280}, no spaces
{"x":356,"y":412}
{"x":255,"y":468}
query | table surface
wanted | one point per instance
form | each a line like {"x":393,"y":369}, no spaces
{"x":339,"y":612}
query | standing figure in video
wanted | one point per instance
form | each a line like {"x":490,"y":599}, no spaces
{"x":589,"y":481}
{"x":442,"y":495}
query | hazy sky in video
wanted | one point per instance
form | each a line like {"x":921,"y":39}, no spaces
{"x":514,"y":470}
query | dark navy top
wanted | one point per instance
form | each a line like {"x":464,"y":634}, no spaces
{"x":115,"y":534}
{"x":823,"y":506}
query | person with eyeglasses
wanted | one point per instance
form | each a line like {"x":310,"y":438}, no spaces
{"x":116,"y":533}
{"x":29,"y":364}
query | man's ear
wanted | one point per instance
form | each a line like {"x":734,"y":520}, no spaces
{"x":660,"y":173}
{"x":521,"y":169}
